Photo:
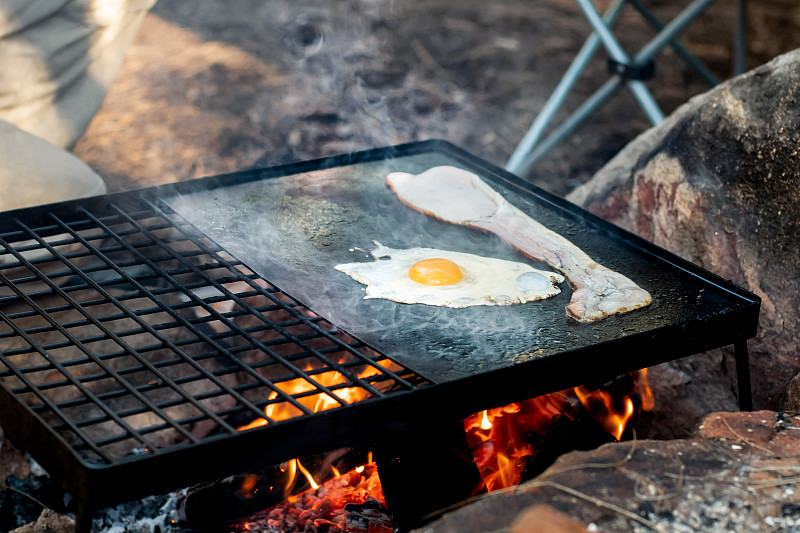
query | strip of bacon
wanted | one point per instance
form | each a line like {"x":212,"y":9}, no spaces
{"x":460,"y":197}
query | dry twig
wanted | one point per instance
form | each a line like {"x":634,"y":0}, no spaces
{"x":774,"y":483}
{"x":601,"y":503}
{"x":584,"y":466}
{"x":747,"y":441}
{"x":428,"y":60}
{"x":39,"y":503}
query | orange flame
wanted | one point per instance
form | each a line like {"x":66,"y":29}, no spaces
{"x":600,"y":405}
{"x":485,"y":422}
{"x":645,"y":392}
{"x":498,"y":437}
{"x":248,"y":489}
{"x":284,"y":410}
{"x":306,"y":473}
{"x":322,"y":401}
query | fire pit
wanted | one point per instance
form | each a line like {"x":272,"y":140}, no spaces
{"x":137,"y":344}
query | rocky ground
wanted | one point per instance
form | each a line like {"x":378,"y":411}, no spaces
{"x":213,"y":87}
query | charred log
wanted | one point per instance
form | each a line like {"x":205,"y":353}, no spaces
{"x":410,"y":466}
{"x":564,"y":436}
{"x":368,"y":517}
{"x":216,"y":504}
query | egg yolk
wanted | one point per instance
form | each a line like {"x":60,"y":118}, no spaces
{"x":435,"y":271}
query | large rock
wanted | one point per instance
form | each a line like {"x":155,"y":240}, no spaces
{"x":717,"y":183}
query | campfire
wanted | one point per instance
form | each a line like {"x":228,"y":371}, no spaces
{"x":171,"y":343}
{"x":505,"y":443}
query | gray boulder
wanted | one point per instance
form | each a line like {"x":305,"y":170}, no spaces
{"x":718,"y":183}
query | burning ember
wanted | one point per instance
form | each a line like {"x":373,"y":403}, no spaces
{"x":350,"y":502}
{"x":502,"y":440}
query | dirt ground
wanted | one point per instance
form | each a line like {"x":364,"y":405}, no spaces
{"x":219,"y":86}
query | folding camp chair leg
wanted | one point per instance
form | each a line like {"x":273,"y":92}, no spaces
{"x":629,"y":69}
{"x":556,"y":100}
{"x":527,"y":152}
{"x":601,"y":29}
{"x":671,"y":30}
{"x":682,"y":52}
{"x":646,"y":101}
{"x":565,"y":129}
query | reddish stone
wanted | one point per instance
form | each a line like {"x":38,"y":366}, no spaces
{"x":48,"y":522}
{"x":544,"y":519}
{"x":755,"y":426}
{"x":12,"y":462}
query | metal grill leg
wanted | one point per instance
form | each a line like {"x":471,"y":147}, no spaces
{"x":83,"y":519}
{"x":743,"y":375}
{"x":520,"y":161}
{"x":740,"y":39}
{"x":405,"y":466}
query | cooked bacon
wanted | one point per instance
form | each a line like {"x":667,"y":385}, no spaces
{"x":460,"y":197}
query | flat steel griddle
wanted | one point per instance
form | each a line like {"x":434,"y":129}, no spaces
{"x":149,"y":273}
{"x":294,"y":229}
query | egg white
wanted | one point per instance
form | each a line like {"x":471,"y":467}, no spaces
{"x":486,"y":281}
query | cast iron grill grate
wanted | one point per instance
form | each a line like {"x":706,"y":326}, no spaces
{"x":129,"y":332}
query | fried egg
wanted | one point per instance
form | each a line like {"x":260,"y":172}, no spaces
{"x":450,"y":279}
